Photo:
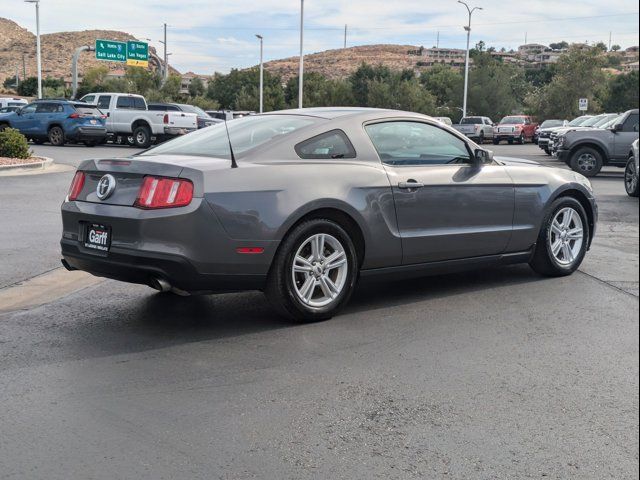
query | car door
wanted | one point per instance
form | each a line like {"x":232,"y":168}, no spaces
{"x":448,"y":207}
{"x":623,"y":139}
{"x":25,"y":120}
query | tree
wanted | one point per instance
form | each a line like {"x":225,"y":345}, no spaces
{"x":196,"y":87}
{"x":361,"y":78}
{"x":141,"y":80}
{"x":579,"y":75}
{"x":171,"y":88}
{"x":480,"y":46}
{"x":10,"y":82}
{"x":601,"y":46}
{"x":559,"y":46}
{"x":445,"y":84}
{"x":622,"y":93}
{"x":615,"y":48}
{"x":28,"y":87}
{"x":243,"y":85}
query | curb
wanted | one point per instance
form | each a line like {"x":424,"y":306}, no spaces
{"x":42,"y":165}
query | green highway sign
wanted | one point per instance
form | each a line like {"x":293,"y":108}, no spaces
{"x":137,"y":53}
{"x":111,"y":51}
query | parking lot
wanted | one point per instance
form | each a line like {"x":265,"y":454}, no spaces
{"x":496,"y":373}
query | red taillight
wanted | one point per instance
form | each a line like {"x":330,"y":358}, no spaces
{"x":158,"y":192}
{"x":76,"y":186}
{"x":165,"y":119}
{"x":250,"y":250}
{"x":74,"y":115}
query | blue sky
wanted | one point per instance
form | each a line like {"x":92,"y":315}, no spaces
{"x":216,"y":35}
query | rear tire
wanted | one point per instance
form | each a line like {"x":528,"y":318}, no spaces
{"x":510,"y":141}
{"x":496,"y":141}
{"x":587,"y":161}
{"x":56,"y":136}
{"x":142,"y":137}
{"x":631,"y":178}
{"x":481,"y":138}
{"x":300,"y":287}
{"x":559,"y":251}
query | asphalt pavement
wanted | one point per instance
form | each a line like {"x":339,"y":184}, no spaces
{"x":491,"y":374}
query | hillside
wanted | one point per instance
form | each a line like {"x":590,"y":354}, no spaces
{"x":342,"y":62}
{"x":57,"y":50}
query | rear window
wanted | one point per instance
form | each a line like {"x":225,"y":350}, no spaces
{"x":471,"y":121}
{"x":88,"y":110}
{"x":135,"y":103}
{"x":330,"y":145}
{"x":245,"y":134}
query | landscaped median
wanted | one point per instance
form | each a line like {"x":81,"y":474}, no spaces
{"x":15,"y":154}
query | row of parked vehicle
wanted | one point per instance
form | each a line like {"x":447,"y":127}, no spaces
{"x":512,"y":129}
{"x":106,"y":116}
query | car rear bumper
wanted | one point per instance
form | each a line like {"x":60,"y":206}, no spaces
{"x":178,"y":130}
{"x":87,"y":133}
{"x":147,"y":268}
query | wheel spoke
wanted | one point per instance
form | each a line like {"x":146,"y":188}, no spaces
{"x":567,"y":218}
{"x":317,"y":246}
{"x":556,"y":227}
{"x":575,"y":234}
{"x":306,"y":291}
{"x":567,"y":253}
{"x":335,"y":260}
{"x":326,"y":288}
{"x":555,"y":248}
{"x":301,"y":264}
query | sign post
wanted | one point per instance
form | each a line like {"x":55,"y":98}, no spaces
{"x":137,"y":54}
{"x":583,"y":104}
{"x":111,"y":51}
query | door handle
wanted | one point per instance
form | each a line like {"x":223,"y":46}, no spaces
{"x":410,"y":184}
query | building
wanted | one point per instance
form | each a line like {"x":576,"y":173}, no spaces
{"x":630,"y":67}
{"x":188,"y":77}
{"x":453,"y":57}
{"x":531,"y":49}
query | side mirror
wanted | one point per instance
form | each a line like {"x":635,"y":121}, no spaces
{"x":483,"y":157}
{"x":617,"y":127}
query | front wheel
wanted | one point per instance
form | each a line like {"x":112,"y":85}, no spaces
{"x":314,"y":272}
{"x":56,"y":136}
{"x":587,"y":161}
{"x":563,"y":239}
{"x":631,"y":178}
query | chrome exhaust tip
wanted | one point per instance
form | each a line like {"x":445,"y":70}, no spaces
{"x":160,"y":284}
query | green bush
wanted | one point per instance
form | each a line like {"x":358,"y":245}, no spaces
{"x":13,"y":144}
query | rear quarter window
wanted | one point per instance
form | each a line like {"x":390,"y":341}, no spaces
{"x":329,"y":145}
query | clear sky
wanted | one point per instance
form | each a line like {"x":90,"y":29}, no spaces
{"x":216,"y":35}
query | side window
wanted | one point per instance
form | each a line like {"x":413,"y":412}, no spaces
{"x":173,"y":108}
{"x":104,"y":101}
{"x":333,"y":144}
{"x":124,"y":102}
{"x":415,"y":143}
{"x":88,"y":99}
{"x":29,"y":109}
{"x":139,"y":104}
{"x":631,"y":123}
{"x":45,"y":107}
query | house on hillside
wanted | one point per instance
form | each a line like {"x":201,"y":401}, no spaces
{"x":188,"y":77}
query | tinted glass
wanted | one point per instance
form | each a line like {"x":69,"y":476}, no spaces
{"x":631,"y":124}
{"x":104,"y":101}
{"x":86,"y":110}
{"x":157,"y":108}
{"x":552,"y":123}
{"x":471,"y":121}
{"x":88,"y":98}
{"x":334,"y":144}
{"x":413,"y":143}
{"x":245,"y":133}
{"x":191,"y":109}
{"x":604,"y":120}
{"x":124,"y":102}
{"x":512,"y":121}
{"x":139,"y":104}
{"x":29,"y":109}
{"x":578,"y":121}
{"x":47,"y":107}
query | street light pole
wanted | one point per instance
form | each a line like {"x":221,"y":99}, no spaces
{"x":301,"y":72}
{"x":466,"y":60}
{"x":38,"y":54}
{"x":165,"y":73}
{"x":261,"y":73}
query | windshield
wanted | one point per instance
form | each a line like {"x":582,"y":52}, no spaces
{"x":552,"y":123}
{"x":245,"y":133}
{"x":191,"y":109}
{"x":612,"y":122}
{"x":592,"y":121}
{"x":471,"y":121}
{"x":576,"y":122}
{"x":605,"y":119}
{"x":512,"y":121}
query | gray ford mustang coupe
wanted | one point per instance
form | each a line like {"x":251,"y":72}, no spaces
{"x":302,"y":203}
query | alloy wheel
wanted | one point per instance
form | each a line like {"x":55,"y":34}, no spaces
{"x":587,"y":162}
{"x":631,"y":178}
{"x":566,"y":236}
{"x":319,"y":270}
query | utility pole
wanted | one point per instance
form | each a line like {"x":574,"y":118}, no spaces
{"x":165,"y":72}
{"x":17,"y":78}
{"x":301,"y":71}
{"x":345,"y":35}
{"x":261,"y":73}
{"x":438,"y":40}
{"x":466,"y":62}
{"x":38,"y":54}
{"x":24,"y":67}
{"x":525,"y":37}
{"x":610,"y":33}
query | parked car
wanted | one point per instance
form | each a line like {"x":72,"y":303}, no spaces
{"x":129,"y":119}
{"x":229,"y":114}
{"x":58,"y":121}
{"x":12,"y":102}
{"x":631,"y":171}
{"x":446,"y":120}
{"x":587,"y":151}
{"x":203,"y":118}
{"x":476,"y":128}
{"x":546,"y":125}
{"x":9,"y":109}
{"x":597,"y":121}
{"x":302,"y":204}
{"x":515,"y":128}
{"x":544,"y":134}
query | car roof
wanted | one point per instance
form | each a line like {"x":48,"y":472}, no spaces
{"x":330,"y":113}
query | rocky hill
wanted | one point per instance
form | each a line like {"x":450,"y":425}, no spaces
{"x":342,"y":62}
{"x":57,"y":50}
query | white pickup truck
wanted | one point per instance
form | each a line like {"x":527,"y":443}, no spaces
{"x":128,"y":118}
{"x":476,"y":128}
